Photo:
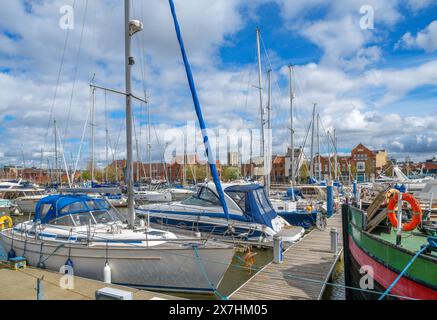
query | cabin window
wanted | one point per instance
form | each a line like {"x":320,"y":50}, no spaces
{"x":209,"y":196}
{"x":83,"y":219}
{"x":97,"y":204}
{"x":103,"y":217}
{"x":205,"y":197}
{"x":45,"y":208}
{"x":74,"y":207}
{"x":64,"y":221}
{"x":263,"y":201}
{"x":239,"y":198}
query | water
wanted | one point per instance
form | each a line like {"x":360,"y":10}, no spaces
{"x":336,"y":291}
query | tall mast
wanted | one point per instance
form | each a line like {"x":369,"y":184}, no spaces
{"x":149,"y":142}
{"x":56,"y":152}
{"x":129,"y":62}
{"x":312,"y":141}
{"x":107,"y":140}
{"x":260,"y":80}
{"x":335,"y":156}
{"x":209,"y":151}
{"x":329,"y":156}
{"x":267,"y":158}
{"x":319,"y":169}
{"x":93,"y":114}
{"x":292,"y":162}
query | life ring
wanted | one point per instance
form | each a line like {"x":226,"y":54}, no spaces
{"x":4,"y":220}
{"x":415,"y":206}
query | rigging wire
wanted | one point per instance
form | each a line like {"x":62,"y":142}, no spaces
{"x":67,"y":36}
{"x":76,"y":68}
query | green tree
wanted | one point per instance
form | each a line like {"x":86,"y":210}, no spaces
{"x":231,"y":173}
{"x":86,"y":175}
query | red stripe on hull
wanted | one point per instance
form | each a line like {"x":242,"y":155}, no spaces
{"x":385,"y":277}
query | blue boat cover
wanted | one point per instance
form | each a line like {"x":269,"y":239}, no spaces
{"x":257,"y":204}
{"x":77,"y":203}
{"x":300,"y":218}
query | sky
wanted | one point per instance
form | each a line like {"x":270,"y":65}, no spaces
{"x":370,"y":65}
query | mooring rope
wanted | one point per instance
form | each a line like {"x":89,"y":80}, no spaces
{"x":202,"y":269}
{"x":418,"y":253}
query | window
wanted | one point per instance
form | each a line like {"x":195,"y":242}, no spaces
{"x":65,"y":221}
{"x":207,"y":195}
{"x":204,"y":198}
{"x":239,"y":198}
{"x":45,"y":208}
{"x":103,"y":217}
{"x":361,"y":166}
{"x":74,"y":207}
{"x":83,"y":219}
{"x":262,"y":200}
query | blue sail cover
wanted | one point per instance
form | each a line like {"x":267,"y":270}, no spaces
{"x":197,"y":107}
{"x":76,"y":204}
{"x":257,"y":204}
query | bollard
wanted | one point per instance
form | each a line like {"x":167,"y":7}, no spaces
{"x":330,"y":199}
{"x":278,"y":256}
{"x":40,"y":289}
{"x":334,"y":241}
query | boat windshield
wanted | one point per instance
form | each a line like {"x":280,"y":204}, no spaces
{"x":239,"y":198}
{"x":205,"y":198}
{"x":87,"y":218}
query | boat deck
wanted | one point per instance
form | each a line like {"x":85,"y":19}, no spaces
{"x":412,"y":241}
{"x":308,"y":266}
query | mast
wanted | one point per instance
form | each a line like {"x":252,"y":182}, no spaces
{"x":107,"y":140}
{"x":208,"y":149}
{"x":319,"y":169}
{"x":130,"y":29}
{"x":260,"y":88}
{"x":149,"y":143}
{"x":93,"y":101}
{"x":335,"y":156}
{"x":292,"y":161}
{"x":329,"y":156}
{"x":56,"y":152}
{"x":267,"y":158}
{"x":312,"y":141}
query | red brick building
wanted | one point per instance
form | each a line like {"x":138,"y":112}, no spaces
{"x":277,"y":174}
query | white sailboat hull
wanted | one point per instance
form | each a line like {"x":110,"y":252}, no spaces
{"x":161,"y":268}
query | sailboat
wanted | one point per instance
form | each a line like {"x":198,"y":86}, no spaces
{"x":238,"y":210}
{"x":89,"y":236}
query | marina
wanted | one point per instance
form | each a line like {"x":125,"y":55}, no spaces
{"x":264,"y":180}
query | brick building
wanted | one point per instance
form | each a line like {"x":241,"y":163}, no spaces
{"x":366,"y":163}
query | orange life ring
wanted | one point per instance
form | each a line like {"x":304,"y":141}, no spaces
{"x":415,"y":206}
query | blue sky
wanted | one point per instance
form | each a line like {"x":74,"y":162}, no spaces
{"x":373,"y":86}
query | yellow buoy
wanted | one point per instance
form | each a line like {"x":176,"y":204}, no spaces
{"x":5,"y":220}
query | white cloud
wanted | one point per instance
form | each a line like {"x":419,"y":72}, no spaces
{"x":425,"y":39}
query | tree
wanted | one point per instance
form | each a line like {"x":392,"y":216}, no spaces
{"x":86,"y":176}
{"x":231,"y":173}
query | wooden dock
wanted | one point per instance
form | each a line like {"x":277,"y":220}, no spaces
{"x":21,"y":284}
{"x":309,"y":259}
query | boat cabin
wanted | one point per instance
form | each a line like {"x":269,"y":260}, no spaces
{"x":75,"y":211}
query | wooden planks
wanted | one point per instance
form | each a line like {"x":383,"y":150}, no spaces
{"x":307,"y":267}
